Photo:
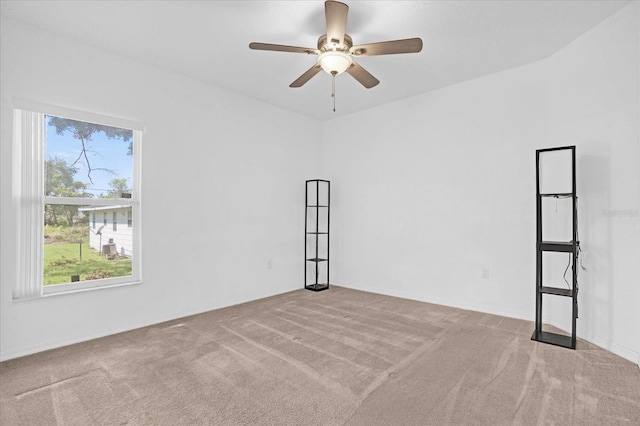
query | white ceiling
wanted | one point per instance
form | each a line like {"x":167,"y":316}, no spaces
{"x":208,"y":40}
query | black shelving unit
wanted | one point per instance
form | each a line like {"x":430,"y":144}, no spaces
{"x":571,"y":247}
{"x":316,"y":234}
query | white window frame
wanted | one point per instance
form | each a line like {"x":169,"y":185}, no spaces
{"x":28,"y":178}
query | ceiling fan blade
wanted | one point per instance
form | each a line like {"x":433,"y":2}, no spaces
{"x":306,"y":76}
{"x":362,"y":75}
{"x":336,"y":15}
{"x":408,"y":45}
{"x":283,"y":48}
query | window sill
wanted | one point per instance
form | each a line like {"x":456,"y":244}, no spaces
{"x":60,"y":289}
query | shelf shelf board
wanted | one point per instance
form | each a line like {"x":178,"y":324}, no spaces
{"x":559,"y":148}
{"x":562,"y":246}
{"x":553,"y":339}
{"x":317,"y":233}
{"x":308,"y":205}
{"x":317,"y":287}
{"x":316,"y":259}
{"x":557,"y":291}
{"x":559,"y":194}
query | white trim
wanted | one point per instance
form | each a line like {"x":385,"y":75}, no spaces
{"x":74,"y":114}
{"x":69,"y":288}
{"x":153,"y":320}
{"x":624,"y":352}
{"x":136,"y":213}
{"x":101,"y":208}
{"x":79,"y":201}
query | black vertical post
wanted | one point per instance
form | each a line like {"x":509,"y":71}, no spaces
{"x":306,"y":213}
{"x":575,"y":243}
{"x":538,"y":324}
{"x":328,"y":229}
{"x":317,"y":226}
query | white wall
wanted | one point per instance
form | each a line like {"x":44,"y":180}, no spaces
{"x":593,"y":88}
{"x":432,"y":191}
{"x":228,"y":169}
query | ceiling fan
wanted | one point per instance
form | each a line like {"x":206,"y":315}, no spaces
{"x":336,"y":50}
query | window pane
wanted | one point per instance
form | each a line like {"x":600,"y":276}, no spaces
{"x":76,"y":251}
{"x":87,"y":160}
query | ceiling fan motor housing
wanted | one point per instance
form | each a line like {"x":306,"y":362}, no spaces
{"x":325,"y":45}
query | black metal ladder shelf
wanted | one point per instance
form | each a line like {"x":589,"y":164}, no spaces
{"x":316,"y":234}
{"x":571,"y":247}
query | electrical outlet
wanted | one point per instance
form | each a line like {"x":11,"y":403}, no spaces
{"x":485,"y":273}
{"x":269,"y":264}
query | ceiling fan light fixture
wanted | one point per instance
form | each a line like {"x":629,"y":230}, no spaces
{"x":335,"y":62}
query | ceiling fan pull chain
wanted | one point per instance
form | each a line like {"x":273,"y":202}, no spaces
{"x":333,"y":90}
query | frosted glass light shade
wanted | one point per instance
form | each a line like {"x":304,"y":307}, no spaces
{"x":334,"y":62}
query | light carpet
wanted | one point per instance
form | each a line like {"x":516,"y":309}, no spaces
{"x":337,"y":357}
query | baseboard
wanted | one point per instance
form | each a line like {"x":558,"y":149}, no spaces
{"x":475,"y":308}
{"x":615,"y":348}
{"x":622,"y":351}
{"x":11,"y":354}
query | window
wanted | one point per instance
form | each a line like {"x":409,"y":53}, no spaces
{"x":73,"y":166}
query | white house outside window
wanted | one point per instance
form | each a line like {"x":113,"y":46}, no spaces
{"x":71,"y":166}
